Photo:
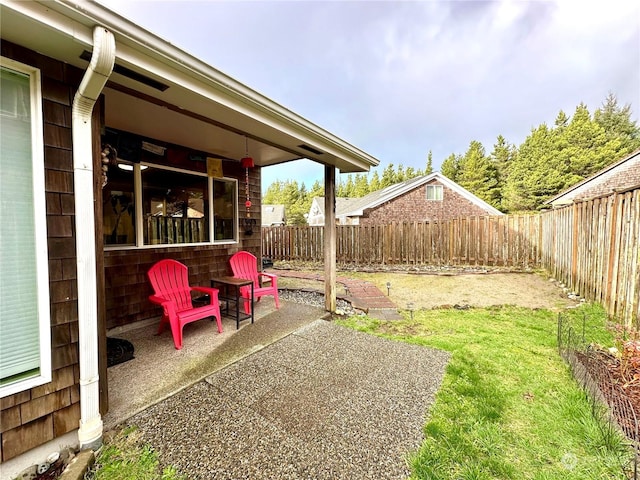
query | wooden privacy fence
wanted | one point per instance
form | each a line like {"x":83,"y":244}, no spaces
{"x":511,"y":240}
{"x":593,"y":247}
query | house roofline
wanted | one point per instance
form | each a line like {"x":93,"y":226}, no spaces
{"x":592,"y":177}
{"x":418,"y":183}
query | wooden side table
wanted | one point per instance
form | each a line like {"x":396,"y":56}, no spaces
{"x":237,"y":283}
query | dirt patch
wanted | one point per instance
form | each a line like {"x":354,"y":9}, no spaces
{"x":448,"y":289}
{"x":477,"y":290}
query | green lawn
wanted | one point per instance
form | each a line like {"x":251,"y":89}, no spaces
{"x":508,"y":407}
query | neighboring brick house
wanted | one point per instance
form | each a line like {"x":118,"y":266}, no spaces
{"x":426,"y":198}
{"x":621,"y":175}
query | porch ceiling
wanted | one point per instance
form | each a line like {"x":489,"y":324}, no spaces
{"x":202,"y":108}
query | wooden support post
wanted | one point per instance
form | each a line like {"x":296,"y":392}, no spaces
{"x":330,"y":238}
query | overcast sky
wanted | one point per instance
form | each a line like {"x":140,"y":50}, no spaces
{"x":397,"y":79}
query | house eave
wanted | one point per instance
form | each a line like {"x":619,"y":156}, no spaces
{"x":565,"y":197}
{"x":194,"y":85}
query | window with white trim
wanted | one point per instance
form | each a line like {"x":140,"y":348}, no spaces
{"x":434,"y":192}
{"x":175,"y":206}
{"x":25,"y":338}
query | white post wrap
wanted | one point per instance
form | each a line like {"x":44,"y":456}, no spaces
{"x":94,"y":80}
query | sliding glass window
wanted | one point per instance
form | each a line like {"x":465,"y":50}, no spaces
{"x":175,"y":206}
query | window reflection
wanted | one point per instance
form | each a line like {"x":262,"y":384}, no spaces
{"x":174,"y":207}
{"x":119,"y":208}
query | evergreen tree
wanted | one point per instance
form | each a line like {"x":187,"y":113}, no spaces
{"x":583,"y":147}
{"x":410,"y":173}
{"x":273,"y":195}
{"x":502,"y":156}
{"x":349,"y":188}
{"x":479,"y":174}
{"x":388,"y":176}
{"x":374,"y":184}
{"x":536,"y":173}
{"x":562,"y":120}
{"x":451,"y":166}
{"x":616,"y":122}
{"x":429,"y":168}
{"x":317,"y":190}
{"x":361,"y":185}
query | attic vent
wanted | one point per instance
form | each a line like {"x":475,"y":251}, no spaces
{"x":138,"y":77}
{"x":310,"y":149}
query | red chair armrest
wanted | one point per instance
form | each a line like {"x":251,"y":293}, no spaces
{"x":273,"y":278}
{"x":158,"y":300}
{"x":168,"y":306}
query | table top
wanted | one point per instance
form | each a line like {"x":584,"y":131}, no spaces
{"x":238,"y":282}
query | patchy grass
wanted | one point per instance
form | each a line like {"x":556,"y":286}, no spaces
{"x":125,"y":457}
{"x":508,"y":407}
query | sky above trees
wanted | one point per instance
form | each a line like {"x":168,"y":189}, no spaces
{"x":512,"y":178}
{"x":400,"y":79}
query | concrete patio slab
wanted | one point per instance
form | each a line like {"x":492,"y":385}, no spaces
{"x":159,"y":370}
{"x":324,"y":402}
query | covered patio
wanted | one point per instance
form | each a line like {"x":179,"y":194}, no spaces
{"x":144,"y":151}
{"x":158,"y":370}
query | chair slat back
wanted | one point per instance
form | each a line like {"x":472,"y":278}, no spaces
{"x":170,"y":279}
{"x":245,"y":265}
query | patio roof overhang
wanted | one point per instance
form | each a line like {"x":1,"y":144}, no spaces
{"x":162,"y":92}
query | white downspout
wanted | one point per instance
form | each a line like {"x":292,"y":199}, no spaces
{"x":94,"y":80}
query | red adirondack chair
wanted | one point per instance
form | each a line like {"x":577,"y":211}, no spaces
{"x":245,"y":265}
{"x":170,"y":282}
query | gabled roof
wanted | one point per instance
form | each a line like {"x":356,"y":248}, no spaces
{"x":342,"y":203}
{"x":272,"y":215}
{"x":372,"y":200}
{"x":622,"y":174}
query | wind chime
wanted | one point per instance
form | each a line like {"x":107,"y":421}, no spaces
{"x":247,"y":163}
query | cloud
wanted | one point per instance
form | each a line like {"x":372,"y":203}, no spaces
{"x":400,"y":78}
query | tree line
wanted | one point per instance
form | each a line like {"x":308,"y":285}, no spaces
{"x":511,"y":178}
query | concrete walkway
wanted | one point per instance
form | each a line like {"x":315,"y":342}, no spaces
{"x":361,"y":294}
{"x":325,"y":402}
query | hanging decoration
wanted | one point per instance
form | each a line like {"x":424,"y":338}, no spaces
{"x":108,"y":155}
{"x":247,"y":163}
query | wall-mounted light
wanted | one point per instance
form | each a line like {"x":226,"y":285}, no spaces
{"x":388,"y":288}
